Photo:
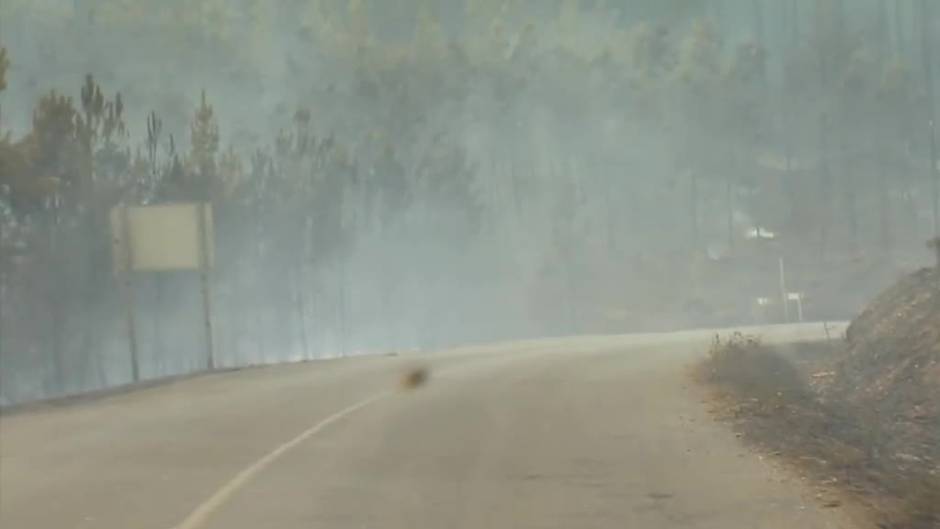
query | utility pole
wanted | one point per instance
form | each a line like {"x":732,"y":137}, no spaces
{"x":126,"y":283}
{"x":205,"y":267}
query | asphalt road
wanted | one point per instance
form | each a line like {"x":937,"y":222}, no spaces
{"x":576,"y":433}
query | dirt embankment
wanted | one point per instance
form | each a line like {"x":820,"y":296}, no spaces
{"x":860,"y":416}
{"x":891,"y":365}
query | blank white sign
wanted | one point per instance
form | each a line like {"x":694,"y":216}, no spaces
{"x":160,"y":238}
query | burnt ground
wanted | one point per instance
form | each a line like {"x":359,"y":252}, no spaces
{"x":803,"y":405}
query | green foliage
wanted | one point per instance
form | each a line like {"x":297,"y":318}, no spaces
{"x":498,"y":67}
{"x":52,"y":159}
{"x":154,"y":131}
{"x":56,"y":133}
{"x":650,"y":50}
{"x":204,"y":138}
{"x":700,"y":56}
{"x":4,"y":65}
{"x":102,"y":120}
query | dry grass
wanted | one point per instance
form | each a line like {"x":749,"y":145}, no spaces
{"x":774,"y":401}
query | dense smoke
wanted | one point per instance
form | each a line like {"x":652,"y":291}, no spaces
{"x":430,"y":173}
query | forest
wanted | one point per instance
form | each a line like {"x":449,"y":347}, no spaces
{"x":417,"y":174}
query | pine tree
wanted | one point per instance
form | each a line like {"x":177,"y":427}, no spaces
{"x":204,"y":137}
{"x":4,"y":64}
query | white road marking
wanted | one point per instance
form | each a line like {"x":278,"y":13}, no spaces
{"x":201,"y":514}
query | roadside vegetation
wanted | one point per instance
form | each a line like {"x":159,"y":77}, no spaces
{"x":860,"y":415}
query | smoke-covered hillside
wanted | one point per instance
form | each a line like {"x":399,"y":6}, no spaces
{"x":405,"y":174}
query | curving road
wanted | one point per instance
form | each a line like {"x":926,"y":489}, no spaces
{"x":576,"y":433}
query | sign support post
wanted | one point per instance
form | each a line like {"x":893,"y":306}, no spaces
{"x":163,"y":238}
{"x":127,"y":289}
{"x":783,"y":292}
{"x":204,"y":279}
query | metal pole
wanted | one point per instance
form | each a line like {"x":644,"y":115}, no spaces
{"x":126,"y":283}
{"x":783,"y":292}
{"x":204,"y":266}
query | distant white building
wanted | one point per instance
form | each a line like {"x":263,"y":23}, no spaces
{"x":759,"y":233}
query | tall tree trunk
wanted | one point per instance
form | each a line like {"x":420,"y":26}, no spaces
{"x":717,"y":12}
{"x":794,"y":22}
{"x":884,"y":207}
{"x":759,"y":21}
{"x":851,"y":206}
{"x":882,"y":30}
{"x":760,"y":36}
{"x":840,"y":20}
{"x":820,"y":30}
{"x":300,"y":288}
{"x":898,"y":27}
{"x":570,"y":290}
{"x":59,"y":299}
{"x":825,"y":188}
{"x":609,"y":214}
{"x":848,"y":183}
{"x":262,"y":299}
{"x":925,"y":18}
{"x":825,"y":176}
{"x":693,"y":209}
{"x":729,"y":201}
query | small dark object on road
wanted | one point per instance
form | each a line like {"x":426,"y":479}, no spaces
{"x":415,"y":378}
